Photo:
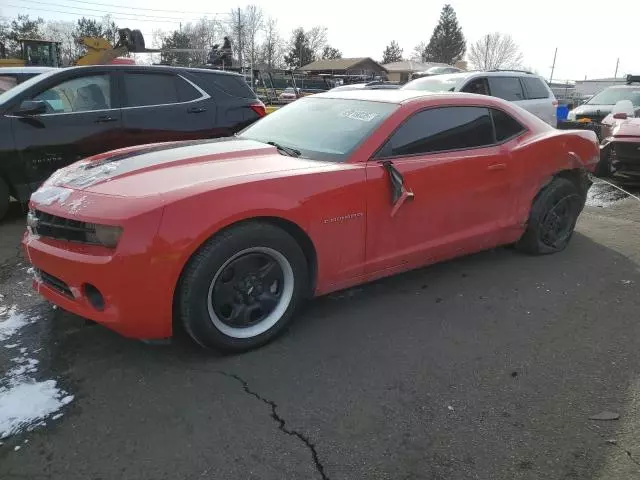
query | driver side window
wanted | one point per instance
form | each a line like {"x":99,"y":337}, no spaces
{"x":78,"y":95}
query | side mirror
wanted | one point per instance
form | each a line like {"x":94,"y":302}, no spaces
{"x":399,"y":193}
{"x":32,"y":107}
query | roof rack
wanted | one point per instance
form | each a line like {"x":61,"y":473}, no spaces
{"x":510,"y":70}
{"x":633,"y":79}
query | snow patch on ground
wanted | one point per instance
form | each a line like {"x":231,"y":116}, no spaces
{"x":12,"y":322}
{"x":25,"y":402}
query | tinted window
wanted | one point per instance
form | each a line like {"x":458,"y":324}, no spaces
{"x":186,"y":91}
{"x":234,"y":85}
{"x":337,"y":126}
{"x":441,"y":129}
{"x":506,"y":126}
{"x":535,"y":88}
{"x":78,"y":95}
{"x":150,"y":89}
{"x":508,"y":88}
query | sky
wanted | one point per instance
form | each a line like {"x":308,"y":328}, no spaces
{"x":589,"y":40}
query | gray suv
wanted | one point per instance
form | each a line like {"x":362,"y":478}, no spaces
{"x":525,"y":89}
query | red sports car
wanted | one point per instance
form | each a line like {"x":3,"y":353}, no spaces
{"x":229,"y":236}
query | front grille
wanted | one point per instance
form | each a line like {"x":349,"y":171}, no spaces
{"x":626,"y":157}
{"x":60,"y":228}
{"x":55,"y":283}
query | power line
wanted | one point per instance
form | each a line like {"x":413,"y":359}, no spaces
{"x":133,"y":19}
{"x":106,"y":12}
{"x":148,"y":9}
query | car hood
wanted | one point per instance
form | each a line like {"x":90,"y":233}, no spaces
{"x":167,"y":167}
{"x":627,"y":128}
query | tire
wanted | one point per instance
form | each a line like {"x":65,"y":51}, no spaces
{"x":4,"y":198}
{"x":247,"y":265}
{"x":604,"y":168}
{"x":552,"y":218}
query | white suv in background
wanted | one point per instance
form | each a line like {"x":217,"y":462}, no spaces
{"x":525,"y":89}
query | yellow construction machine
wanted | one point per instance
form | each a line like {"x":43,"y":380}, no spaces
{"x":36,"y":53}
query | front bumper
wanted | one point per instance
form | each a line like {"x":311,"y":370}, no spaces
{"x":137,"y":295}
{"x":624,"y":155}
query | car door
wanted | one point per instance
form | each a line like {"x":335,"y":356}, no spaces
{"x":81,"y":119}
{"x":460,"y":181}
{"x":478,"y":85}
{"x":540,"y":100}
{"x":164,"y":106}
{"x":509,"y":88}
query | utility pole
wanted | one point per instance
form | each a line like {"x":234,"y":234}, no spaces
{"x":553,"y":67}
{"x":240,"y":39}
{"x":615,"y":75}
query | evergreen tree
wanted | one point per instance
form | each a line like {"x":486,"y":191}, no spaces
{"x":447,"y":44}
{"x":330,"y":53}
{"x":392,"y":53}
{"x":300,"y":53}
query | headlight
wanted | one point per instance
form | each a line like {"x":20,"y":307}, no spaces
{"x":107,"y":235}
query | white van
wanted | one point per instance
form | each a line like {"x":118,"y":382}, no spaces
{"x":525,"y":89}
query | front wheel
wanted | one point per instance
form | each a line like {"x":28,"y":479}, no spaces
{"x":242,"y":287}
{"x":552,"y":218}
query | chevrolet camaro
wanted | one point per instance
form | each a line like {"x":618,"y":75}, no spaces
{"x":227,"y":237}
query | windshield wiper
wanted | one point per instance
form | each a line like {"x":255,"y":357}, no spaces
{"x":292,"y":152}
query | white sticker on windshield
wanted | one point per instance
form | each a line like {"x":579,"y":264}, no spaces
{"x":358,"y":115}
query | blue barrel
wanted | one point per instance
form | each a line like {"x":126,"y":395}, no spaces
{"x":562,"y":112}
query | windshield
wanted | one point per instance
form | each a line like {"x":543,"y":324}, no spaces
{"x":18,"y":89}
{"x":439,"y":83}
{"x":611,"y":96}
{"x":321,"y":128}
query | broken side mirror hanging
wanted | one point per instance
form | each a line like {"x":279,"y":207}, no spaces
{"x":399,"y":192}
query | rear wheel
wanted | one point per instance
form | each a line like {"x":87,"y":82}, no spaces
{"x":552,"y":218}
{"x":4,"y":198}
{"x":242,"y":287}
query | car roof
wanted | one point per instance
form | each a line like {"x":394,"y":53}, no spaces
{"x":35,"y":70}
{"x":404,"y":96}
{"x":155,"y":68}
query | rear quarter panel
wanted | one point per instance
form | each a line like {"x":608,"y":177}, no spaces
{"x":311,"y":200}
{"x":541,"y":156}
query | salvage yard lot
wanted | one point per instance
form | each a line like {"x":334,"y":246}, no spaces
{"x":485,"y":367}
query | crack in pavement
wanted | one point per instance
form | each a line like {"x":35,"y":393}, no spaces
{"x":628,"y":453}
{"x":614,"y":443}
{"x":282,"y":423}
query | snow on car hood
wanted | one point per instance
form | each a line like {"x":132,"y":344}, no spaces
{"x":158,"y":168}
{"x":628,"y":128}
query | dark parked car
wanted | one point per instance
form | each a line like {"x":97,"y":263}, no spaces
{"x":67,"y":114}
{"x":12,"y":76}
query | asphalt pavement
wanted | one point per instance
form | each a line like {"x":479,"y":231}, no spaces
{"x":485,"y":367}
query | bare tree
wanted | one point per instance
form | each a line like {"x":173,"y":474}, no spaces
{"x":63,"y":32}
{"x":202,"y":36}
{"x":272,"y":49}
{"x":493,"y":51}
{"x":317,"y":38}
{"x":418,"y":52}
{"x":253,"y":25}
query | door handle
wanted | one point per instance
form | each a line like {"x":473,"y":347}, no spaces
{"x":106,"y":119}
{"x":497,"y":166}
{"x":196,"y":110}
